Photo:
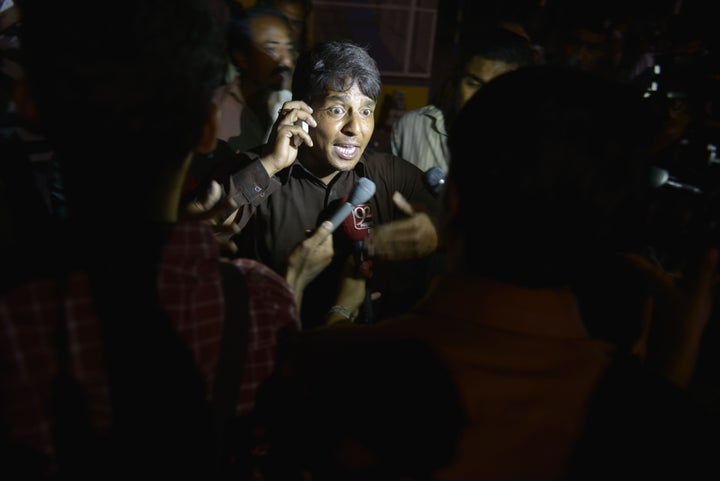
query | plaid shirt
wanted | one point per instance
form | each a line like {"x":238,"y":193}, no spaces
{"x":190,"y":290}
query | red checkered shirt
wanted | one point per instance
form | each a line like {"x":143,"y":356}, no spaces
{"x":191,"y":292}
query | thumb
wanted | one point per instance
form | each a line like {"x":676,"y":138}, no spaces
{"x":323,"y":231}
{"x":402,"y":203}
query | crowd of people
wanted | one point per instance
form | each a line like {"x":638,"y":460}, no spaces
{"x":180,"y":296}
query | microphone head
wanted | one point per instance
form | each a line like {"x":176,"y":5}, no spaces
{"x":364,"y":189}
{"x":434,"y":179}
{"x":658,"y":177}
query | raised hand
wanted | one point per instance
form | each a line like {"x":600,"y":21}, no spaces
{"x":212,"y":208}
{"x":682,"y":306}
{"x":287,"y":136}
{"x":309,"y":258}
{"x":411,"y":238}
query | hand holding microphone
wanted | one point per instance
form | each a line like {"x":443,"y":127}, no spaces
{"x":364,"y":190}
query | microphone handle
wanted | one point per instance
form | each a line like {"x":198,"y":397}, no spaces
{"x":340,"y":215}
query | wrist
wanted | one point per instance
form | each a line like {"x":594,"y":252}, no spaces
{"x":268,"y":165}
{"x":339,"y":313}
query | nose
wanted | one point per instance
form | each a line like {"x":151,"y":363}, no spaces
{"x":286,"y":57}
{"x":351,"y":127}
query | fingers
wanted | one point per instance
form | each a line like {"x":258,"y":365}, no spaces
{"x":227,"y":247}
{"x":323,"y":233}
{"x":297,"y":135}
{"x":703,"y":275}
{"x":402,"y":203}
{"x":293,"y":121}
{"x":212,"y":196}
{"x":295,"y":110}
{"x":295,"y":132}
{"x":403,"y":239}
{"x":287,"y":136}
{"x":227,"y":230}
{"x":210,"y":205}
{"x":660,"y":281}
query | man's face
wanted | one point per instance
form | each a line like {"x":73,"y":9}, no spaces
{"x":295,"y":13}
{"x":478,"y":72}
{"x":345,"y":123}
{"x":272,"y":60}
{"x":586,"y":50}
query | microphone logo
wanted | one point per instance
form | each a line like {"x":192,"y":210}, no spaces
{"x":363,"y":191}
{"x":362,"y":217}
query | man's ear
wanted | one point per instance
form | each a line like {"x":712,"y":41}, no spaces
{"x":208,"y":141}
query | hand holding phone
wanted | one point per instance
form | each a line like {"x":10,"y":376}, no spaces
{"x":297,"y":141}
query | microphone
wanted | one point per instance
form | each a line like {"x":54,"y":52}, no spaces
{"x":356,"y":228}
{"x":364,"y":189}
{"x":434,"y":179}
{"x":660,"y":177}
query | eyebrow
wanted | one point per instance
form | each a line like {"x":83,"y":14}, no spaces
{"x":346,"y":98}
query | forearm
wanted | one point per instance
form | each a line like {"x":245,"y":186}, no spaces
{"x":676,"y":357}
{"x":248,"y":187}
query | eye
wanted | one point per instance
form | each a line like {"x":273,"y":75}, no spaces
{"x":336,"y":111}
{"x":473,"y":82}
{"x":366,"y":112}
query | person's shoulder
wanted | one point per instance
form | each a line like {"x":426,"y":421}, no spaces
{"x":256,"y":271}
{"x":429,"y":110}
{"x":376,"y":159}
{"x":427,"y":113}
{"x":271,"y":299}
{"x":382,"y":163}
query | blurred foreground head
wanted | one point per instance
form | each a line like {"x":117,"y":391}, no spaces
{"x":550,"y":167}
{"x":114,"y":87}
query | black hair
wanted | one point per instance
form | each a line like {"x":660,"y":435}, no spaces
{"x":127,"y":90}
{"x":495,"y":43}
{"x":337,"y":66}
{"x":489,"y":42}
{"x":307,"y":7}
{"x":239,"y":27}
{"x":307,"y":4}
{"x":129,"y":75}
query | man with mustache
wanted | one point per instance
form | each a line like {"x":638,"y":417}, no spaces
{"x":285,"y":188}
{"x":262,"y":51}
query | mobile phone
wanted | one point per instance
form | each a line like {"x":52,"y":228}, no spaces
{"x":303,"y":124}
{"x":297,"y":141}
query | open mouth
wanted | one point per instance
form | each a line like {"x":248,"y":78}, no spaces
{"x":346,"y":151}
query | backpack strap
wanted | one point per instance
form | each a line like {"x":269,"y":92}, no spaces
{"x":231,"y":361}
